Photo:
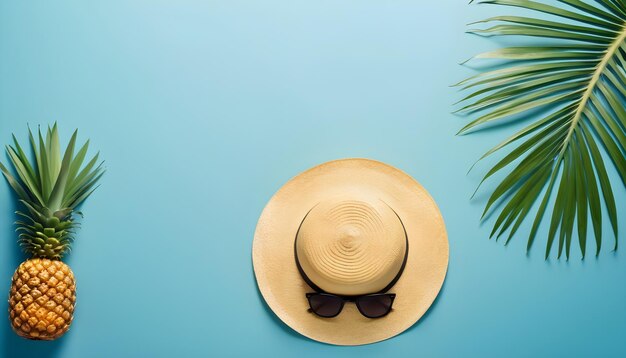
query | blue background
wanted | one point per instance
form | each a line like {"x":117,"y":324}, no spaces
{"x":203,"y":110}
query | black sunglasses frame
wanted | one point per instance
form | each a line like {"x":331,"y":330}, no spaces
{"x":354,"y":299}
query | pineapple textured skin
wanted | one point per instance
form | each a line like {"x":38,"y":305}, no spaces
{"x":42,"y":298}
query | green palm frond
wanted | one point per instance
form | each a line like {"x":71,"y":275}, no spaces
{"x":576,"y":78}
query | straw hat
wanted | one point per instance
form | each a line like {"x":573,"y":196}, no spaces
{"x":350,"y":227}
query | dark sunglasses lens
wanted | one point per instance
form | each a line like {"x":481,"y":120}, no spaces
{"x":374,"y":306}
{"x":325,"y":305}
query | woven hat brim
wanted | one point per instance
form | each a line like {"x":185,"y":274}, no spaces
{"x":284,"y":289}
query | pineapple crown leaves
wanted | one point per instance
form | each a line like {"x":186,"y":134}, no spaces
{"x":50,"y":187}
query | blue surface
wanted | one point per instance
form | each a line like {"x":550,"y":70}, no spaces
{"x":203,"y":110}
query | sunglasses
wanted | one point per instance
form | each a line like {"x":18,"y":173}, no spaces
{"x":371,"y":306}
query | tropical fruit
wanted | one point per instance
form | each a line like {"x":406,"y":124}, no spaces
{"x":49,"y":188}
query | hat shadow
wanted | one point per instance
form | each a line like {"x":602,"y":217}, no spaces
{"x":426,"y":314}
{"x":12,"y":345}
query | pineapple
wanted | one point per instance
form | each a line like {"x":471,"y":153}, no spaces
{"x":49,"y":188}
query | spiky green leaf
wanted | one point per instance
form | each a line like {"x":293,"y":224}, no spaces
{"x":574,"y":75}
{"x":50,"y":186}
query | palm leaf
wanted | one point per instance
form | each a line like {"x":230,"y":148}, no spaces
{"x":574,"y":75}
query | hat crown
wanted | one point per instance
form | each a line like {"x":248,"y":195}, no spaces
{"x":351,"y":246}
